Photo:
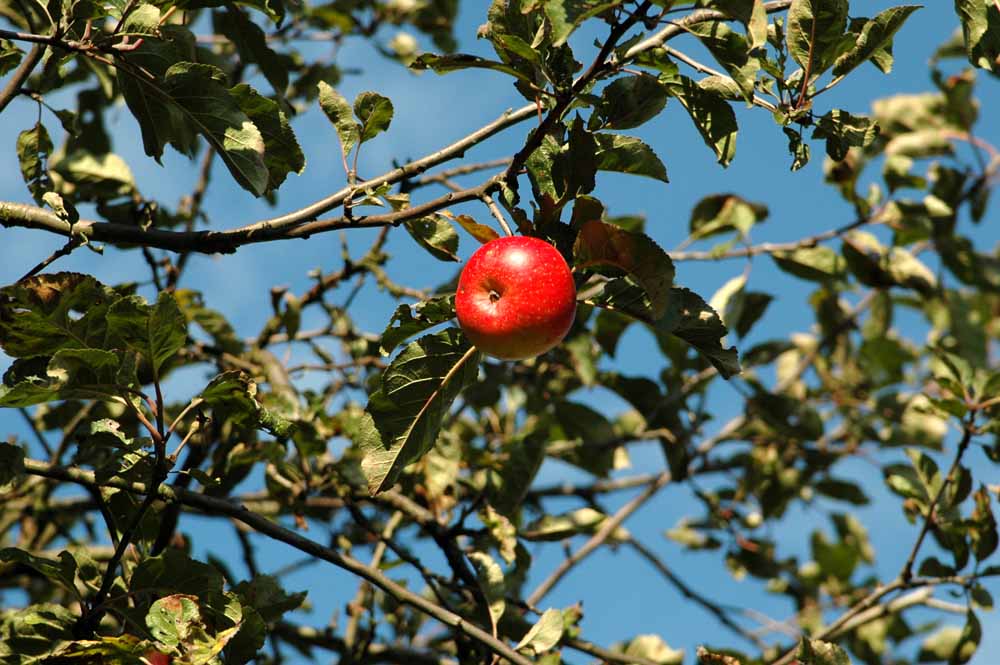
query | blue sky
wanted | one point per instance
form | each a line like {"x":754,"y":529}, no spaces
{"x":622,"y":596}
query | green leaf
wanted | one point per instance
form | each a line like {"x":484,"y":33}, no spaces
{"x":879,"y":266}
{"x":33,"y":633}
{"x":711,"y":114}
{"x":177,"y":572}
{"x":583,"y":437}
{"x":251,"y":43}
{"x":545,"y":634}
{"x":599,"y":243}
{"x":983,"y":526}
{"x":502,"y":532}
{"x":627,"y":154}
{"x":551,"y":528}
{"x":490,"y":578}
{"x":981,"y":31}
{"x":652,"y":647}
{"x":844,"y":490}
{"x":122,"y":649}
{"x":172,"y":620}
{"x":690,"y":318}
{"x":876,"y":34}
{"x":10,"y":56}
{"x":951,"y":643}
{"x":436,"y":235}
{"x":62,"y":572}
{"x":233,"y":396}
{"x":751,"y":14}
{"x":731,"y":50}
{"x":628,"y":102}
{"x":609,"y":326}
{"x":624,"y":296}
{"x":33,"y":149}
{"x":264,"y":594}
{"x":69,"y":373}
{"x":565,"y":16}
{"x":282,"y":154}
{"x":404,"y":413}
{"x":563,"y":170}
{"x":843,"y":131}
{"x":339,"y":112}
{"x":156,"y":332}
{"x":409,"y":320}
{"x":96,"y":176}
{"x":45,"y":313}
{"x":200,"y":93}
{"x":453,"y":62}
{"x":798,"y":148}
{"x":510,"y":483}
{"x":817,"y":652}
{"x":816,"y":264}
{"x":375,"y":113}
{"x":814,"y":30}
{"x":719,"y":213}
{"x":11,"y":463}
{"x":159,"y":121}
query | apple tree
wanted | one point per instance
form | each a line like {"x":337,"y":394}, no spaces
{"x":135,"y":412}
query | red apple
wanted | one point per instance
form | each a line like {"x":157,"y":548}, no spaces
{"x":516,"y":297}
{"x":156,"y":658}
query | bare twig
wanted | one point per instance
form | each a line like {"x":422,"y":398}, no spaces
{"x":351,"y":631}
{"x":907,"y":572}
{"x":598,"y":487}
{"x":705,"y":69}
{"x":713,"y":608}
{"x":606,"y":529}
{"x":39,"y":436}
{"x":17,"y":79}
{"x":775,"y":247}
{"x":65,"y":250}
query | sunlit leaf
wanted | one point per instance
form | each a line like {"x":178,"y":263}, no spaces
{"x":404,"y":414}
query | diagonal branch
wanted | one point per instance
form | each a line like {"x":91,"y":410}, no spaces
{"x":216,"y":506}
{"x":607,"y":528}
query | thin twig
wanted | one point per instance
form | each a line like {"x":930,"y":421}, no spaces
{"x":16,"y":82}
{"x":351,"y":631}
{"x":39,"y":436}
{"x":65,"y":250}
{"x":907,"y":572}
{"x":607,"y":528}
{"x":713,"y":608}
{"x":705,"y":69}
{"x":775,"y":247}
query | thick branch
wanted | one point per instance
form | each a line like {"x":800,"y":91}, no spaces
{"x":210,"y":242}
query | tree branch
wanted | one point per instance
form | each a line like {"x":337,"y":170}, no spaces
{"x":210,"y":242}
{"x":16,"y":82}
{"x":714,"y":609}
{"x":607,"y":528}
{"x":261,"y":524}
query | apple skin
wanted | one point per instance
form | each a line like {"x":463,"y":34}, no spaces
{"x":516,"y":298}
{"x":156,"y":658}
